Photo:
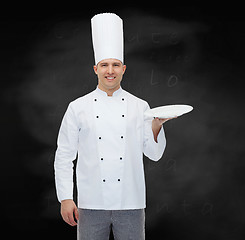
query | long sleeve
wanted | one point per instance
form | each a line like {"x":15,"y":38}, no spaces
{"x":153,"y":150}
{"x":65,"y":154}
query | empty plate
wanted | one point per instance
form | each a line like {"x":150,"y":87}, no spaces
{"x":168,"y":111}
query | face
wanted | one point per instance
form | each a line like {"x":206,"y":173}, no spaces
{"x":110,"y":72}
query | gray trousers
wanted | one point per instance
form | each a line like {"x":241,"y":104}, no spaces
{"x":97,"y":224}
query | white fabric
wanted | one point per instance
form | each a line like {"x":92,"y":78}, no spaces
{"x":107,"y":36}
{"x":110,"y":135}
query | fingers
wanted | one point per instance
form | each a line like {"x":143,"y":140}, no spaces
{"x":76,"y":214}
{"x":69,"y":219}
{"x":163,"y":120}
{"x":68,"y":211}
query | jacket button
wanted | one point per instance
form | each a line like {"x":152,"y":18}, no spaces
{"x":101,"y":159}
{"x":122,"y":115}
{"x":99,"y":137}
{"x":120,"y":158}
{"x":103,"y":180}
{"x":121,"y":136}
{"x":95,"y":99}
{"x":97,"y":116}
{"x":122,"y":99}
{"x":118,"y":180}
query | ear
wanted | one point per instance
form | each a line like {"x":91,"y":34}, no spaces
{"x":95,"y":69}
{"x":124,"y":68}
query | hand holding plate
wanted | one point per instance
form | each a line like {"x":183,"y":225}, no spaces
{"x":160,"y":121}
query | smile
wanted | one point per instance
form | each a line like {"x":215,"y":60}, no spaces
{"x":110,"y":78}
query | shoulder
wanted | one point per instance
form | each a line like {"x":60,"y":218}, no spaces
{"x":80,"y":102}
{"x":137,"y":100}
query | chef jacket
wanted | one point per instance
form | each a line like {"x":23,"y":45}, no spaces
{"x":110,"y":135}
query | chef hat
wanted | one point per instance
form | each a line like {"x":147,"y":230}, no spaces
{"x":107,"y":36}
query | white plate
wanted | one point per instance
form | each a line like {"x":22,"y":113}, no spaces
{"x":168,"y":111}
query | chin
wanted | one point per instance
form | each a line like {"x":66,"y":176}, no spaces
{"x":110,"y":85}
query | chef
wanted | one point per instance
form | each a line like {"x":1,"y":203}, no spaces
{"x":107,"y":131}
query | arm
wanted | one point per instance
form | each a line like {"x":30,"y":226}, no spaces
{"x":65,"y":154}
{"x":154,"y":141}
{"x":154,"y":137}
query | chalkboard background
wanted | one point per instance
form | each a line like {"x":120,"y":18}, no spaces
{"x":189,"y":55}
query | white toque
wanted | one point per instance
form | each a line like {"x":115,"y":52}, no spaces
{"x":107,"y":37}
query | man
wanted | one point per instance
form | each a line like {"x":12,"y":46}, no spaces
{"x":108,"y":130}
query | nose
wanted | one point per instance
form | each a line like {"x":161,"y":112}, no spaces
{"x":110,"y":69}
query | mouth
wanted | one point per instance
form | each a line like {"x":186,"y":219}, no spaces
{"x":110,"y":78}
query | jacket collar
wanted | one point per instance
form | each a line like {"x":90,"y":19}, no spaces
{"x":103,"y":93}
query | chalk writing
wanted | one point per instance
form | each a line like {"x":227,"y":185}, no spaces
{"x":207,"y":209}
{"x":172,"y":81}
{"x":152,"y":78}
{"x":133,"y":37}
{"x":155,"y":37}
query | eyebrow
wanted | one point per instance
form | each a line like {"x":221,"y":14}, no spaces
{"x":112,"y":63}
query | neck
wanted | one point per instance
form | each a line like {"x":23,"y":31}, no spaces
{"x":109,"y":91}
